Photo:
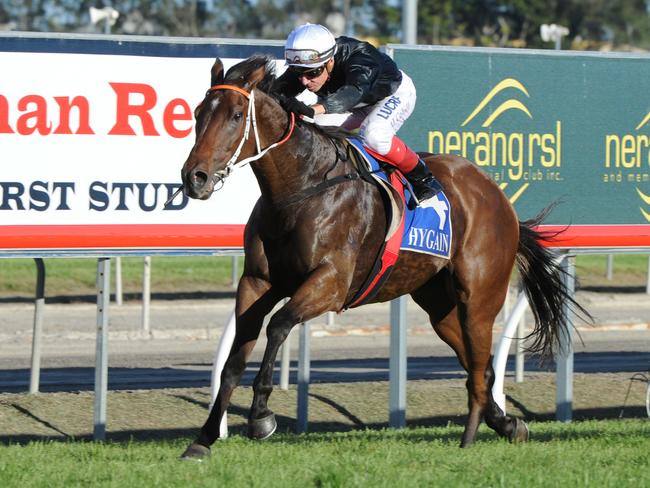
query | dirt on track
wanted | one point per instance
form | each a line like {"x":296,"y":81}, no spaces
{"x":173,"y":413}
{"x":69,"y":341}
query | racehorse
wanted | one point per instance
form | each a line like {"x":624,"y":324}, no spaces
{"x":315,"y":232}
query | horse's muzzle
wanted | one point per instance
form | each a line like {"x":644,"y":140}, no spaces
{"x":198,"y":184}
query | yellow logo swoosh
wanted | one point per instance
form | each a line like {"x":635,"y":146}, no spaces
{"x":502,"y":85}
{"x":643,"y":196}
{"x":646,"y":200}
{"x":643,"y":122}
{"x":517,"y":194}
{"x":506,"y":106}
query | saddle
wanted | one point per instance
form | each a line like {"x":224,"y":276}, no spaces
{"x":424,"y":229}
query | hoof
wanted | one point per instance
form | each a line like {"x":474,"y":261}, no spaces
{"x":260,"y":429}
{"x":195,"y":452}
{"x":520,"y":433}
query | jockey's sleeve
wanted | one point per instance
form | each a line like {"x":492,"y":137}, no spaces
{"x":361,"y":71}
{"x":342,"y":100}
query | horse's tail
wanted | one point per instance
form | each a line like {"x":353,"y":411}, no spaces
{"x":543,"y":281}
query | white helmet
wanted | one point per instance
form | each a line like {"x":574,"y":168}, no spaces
{"x":309,"y":46}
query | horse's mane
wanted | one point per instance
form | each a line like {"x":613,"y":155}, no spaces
{"x":243,"y":70}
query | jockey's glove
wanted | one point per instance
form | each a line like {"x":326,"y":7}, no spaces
{"x":291,"y":104}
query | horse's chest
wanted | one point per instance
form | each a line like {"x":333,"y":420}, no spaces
{"x":289,"y":255}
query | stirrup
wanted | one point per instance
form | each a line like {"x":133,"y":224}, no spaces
{"x":423,"y":190}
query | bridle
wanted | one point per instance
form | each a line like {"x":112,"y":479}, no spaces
{"x":220,"y":175}
{"x":251,"y":119}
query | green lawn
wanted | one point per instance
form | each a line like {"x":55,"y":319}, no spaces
{"x":593,"y":453}
{"x":71,"y":277}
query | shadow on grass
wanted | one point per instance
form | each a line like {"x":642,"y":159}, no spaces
{"x":625,"y":289}
{"x":596,"y":413}
{"x":41,"y":421}
{"x":322,"y":431}
{"x":318,"y":431}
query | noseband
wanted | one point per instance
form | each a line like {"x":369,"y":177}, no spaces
{"x":251,"y":119}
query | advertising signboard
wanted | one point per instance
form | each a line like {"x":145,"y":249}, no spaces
{"x":545,"y":126}
{"x":94,"y":131}
{"x":93,"y":136}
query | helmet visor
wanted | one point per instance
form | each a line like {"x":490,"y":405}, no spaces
{"x":308,"y":58}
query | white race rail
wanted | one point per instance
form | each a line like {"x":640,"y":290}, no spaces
{"x":501,"y":354}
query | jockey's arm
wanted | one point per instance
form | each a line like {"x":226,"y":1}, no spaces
{"x":287,"y":84}
{"x":361,"y":71}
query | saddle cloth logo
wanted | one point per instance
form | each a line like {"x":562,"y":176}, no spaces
{"x":427,"y":228}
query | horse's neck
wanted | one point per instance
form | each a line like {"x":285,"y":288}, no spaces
{"x":298,"y":164}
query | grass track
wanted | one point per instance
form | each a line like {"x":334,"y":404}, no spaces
{"x":75,"y":277}
{"x":592,"y":453}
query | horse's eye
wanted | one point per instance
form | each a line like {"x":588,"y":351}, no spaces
{"x":238,"y":116}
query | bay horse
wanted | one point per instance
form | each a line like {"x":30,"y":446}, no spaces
{"x":315,"y":232}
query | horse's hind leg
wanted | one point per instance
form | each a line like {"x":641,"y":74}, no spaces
{"x":254,"y":301}
{"x":513,"y":428}
{"x":438,"y":299}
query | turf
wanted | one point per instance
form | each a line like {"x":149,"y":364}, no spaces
{"x":591,"y":453}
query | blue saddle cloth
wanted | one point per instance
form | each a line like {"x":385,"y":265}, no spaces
{"x":427,"y":227}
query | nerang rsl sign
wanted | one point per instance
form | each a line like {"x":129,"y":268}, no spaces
{"x":545,"y":125}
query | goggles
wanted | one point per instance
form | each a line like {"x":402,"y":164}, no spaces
{"x":307,"y":57}
{"x":309,"y":73}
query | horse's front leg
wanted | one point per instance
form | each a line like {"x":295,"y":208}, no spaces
{"x":324,"y":290}
{"x":254,"y":300}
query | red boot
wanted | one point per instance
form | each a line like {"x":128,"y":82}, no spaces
{"x":416,"y":171}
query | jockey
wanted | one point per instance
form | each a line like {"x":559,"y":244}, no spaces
{"x":349,"y":75}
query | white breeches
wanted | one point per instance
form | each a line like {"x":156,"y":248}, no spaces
{"x":378,"y":123}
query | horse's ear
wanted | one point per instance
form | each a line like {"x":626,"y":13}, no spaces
{"x":216,"y":73}
{"x":255,"y":77}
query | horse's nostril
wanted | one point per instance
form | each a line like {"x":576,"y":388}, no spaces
{"x":199,"y":179}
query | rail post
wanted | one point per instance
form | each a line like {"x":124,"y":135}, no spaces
{"x":564,"y":355}
{"x":397,"y":363}
{"x":39,"y":307}
{"x":101,"y":350}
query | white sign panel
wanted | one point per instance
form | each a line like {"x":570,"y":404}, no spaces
{"x":96,"y":139}
{"x":93,"y":144}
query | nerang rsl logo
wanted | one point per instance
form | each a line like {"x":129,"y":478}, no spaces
{"x":627,"y":161}
{"x":520,"y":154}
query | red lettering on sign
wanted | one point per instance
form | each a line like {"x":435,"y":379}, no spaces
{"x":39,"y":115}
{"x":126,"y":110}
{"x":170,"y":115}
{"x":5,"y":128}
{"x":65,"y":105}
